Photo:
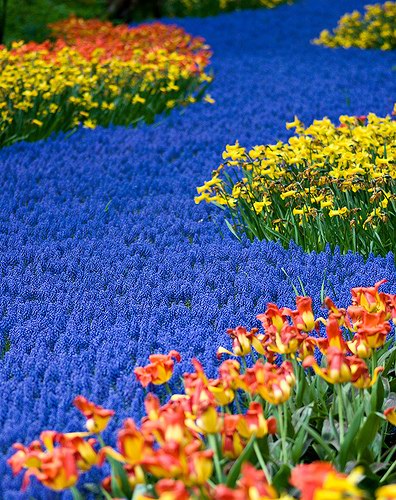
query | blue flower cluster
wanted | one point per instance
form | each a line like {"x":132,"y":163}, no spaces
{"x":104,"y":257}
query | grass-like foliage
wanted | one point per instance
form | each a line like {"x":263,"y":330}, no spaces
{"x":28,"y":20}
{"x":211,"y":7}
{"x":277,"y":424}
{"x":95,"y":73}
{"x":329,"y":184}
{"x":375,"y":29}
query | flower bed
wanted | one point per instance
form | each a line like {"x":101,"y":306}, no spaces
{"x":247,"y":433}
{"x":373,"y":30}
{"x":329,"y":184}
{"x":98,"y":74}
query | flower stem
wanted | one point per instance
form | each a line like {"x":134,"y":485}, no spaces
{"x":388,"y":472}
{"x":340,"y":412}
{"x":282,"y":429}
{"x":244,"y":364}
{"x":168,"y":389}
{"x":75,"y":493}
{"x":212,"y":439}
{"x":261,"y":461}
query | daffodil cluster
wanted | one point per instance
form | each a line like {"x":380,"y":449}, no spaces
{"x":328,"y":184}
{"x":375,"y":29}
{"x":228,"y":437}
{"x":210,"y":7}
{"x":97,"y":74}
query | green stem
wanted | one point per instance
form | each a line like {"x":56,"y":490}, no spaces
{"x":261,"y":461}
{"x":213,"y":443}
{"x":75,"y":493}
{"x":373,"y":362}
{"x":100,"y":441}
{"x":244,"y":365}
{"x":387,"y":473}
{"x":282,"y":434}
{"x":382,"y":442}
{"x":168,"y":389}
{"x":340,"y":412}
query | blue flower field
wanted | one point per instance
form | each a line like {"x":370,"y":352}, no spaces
{"x":104,"y":256}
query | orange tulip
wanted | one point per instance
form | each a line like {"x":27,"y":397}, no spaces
{"x":253,"y":485}
{"x":333,"y":337}
{"x":232,"y":442}
{"x":342,"y":368}
{"x":169,"y":489}
{"x":338,"y":370}
{"x":229,"y":372}
{"x":273,"y":316}
{"x":55,"y":468}
{"x":254,"y":422}
{"x":200,"y":467}
{"x":303,"y":317}
{"x":369,"y":298}
{"x":273,"y":383}
{"x":280,"y":336}
{"x":359,"y":346}
{"x":372,"y":327}
{"x":97,"y":417}
{"x":242,"y":342}
{"x":159,"y":370}
{"x":218,"y":391}
{"x":338,"y":313}
{"x":84,"y":452}
{"x":133,"y":446}
{"x":309,"y":477}
{"x":390,"y":415}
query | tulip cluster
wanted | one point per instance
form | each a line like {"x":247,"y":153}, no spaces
{"x":95,"y":73}
{"x":329,"y":184}
{"x":264,"y":426}
{"x":375,"y":29}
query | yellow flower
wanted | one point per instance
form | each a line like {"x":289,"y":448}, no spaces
{"x":137,"y":99}
{"x":288,"y":194}
{"x":387,"y":492}
{"x":341,"y":211}
{"x":294,"y":124}
{"x":89,"y":124}
{"x":209,"y":99}
{"x":260,"y":205}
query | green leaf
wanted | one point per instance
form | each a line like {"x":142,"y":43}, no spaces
{"x":105,"y":494}
{"x":281,"y":478}
{"x":387,"y":359}
{"x":349,"y":438}
{"x":298,"y":445}
{"x":377,"y":396}
{"x":119,"y":480}
{"x":367,"y":433}
{"x":330,"y":433}
{"x":328,"y":452}
{"x":303,"y":414}
{"x":236,"y":468}
{"x":232,"y":230}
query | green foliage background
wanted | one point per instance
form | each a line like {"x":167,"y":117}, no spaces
{"x":28,"y":19}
